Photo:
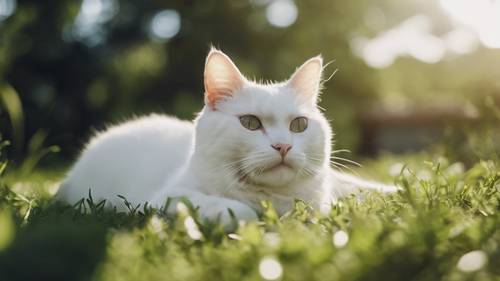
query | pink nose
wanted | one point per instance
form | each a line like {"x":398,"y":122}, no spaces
{"x":283,"y":148}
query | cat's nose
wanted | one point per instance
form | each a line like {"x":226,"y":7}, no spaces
{"x":282,"y":148}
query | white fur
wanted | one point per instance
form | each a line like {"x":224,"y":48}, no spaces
{"x":215,"y":162}
{"x":132,"y":159}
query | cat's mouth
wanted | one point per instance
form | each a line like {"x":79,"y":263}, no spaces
{"x":281,"y":165}
{"x":277,"y":167}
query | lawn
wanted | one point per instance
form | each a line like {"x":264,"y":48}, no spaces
{"x":443,"y":225}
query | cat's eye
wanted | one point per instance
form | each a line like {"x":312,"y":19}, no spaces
{"x":250,"y":122}
{"x":298,"y":125}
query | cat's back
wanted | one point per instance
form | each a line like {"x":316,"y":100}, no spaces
{"x":132,"y":159}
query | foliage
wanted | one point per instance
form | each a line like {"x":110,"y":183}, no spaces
{"x":55,"y":84}
{"x":69,"y":83}
{"x":424,"y":232}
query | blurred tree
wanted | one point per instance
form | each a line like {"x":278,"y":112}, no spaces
{"x":72,"y":77}
{"x":77,"y":65}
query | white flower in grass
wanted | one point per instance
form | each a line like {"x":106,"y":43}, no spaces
{"x":182,"y":209}
{"x":472,"y":261}
{"x":234,"y":236}
{"x":156,"y":224}
{"x":192,"y":228}
{"x":270,"y":268}
{"x":340,"y":238}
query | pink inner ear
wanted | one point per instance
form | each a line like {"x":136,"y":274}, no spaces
{"x":306,"y":80}
{"x":222,"y":78}
{"x":214,"y":93}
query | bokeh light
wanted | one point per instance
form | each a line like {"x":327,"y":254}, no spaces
{"x":7,"y":8}
{"x":92,"y":15}
{"x":124,"y":54}
{"x":340,"y":238}
{"x":165,"y":25}
{"x":281,"y":13}
{"x":482,"y":16}
{"x":472,"y":261}
{"x":410,"y":38}
{"x":473,"y":22}
{"x":270,"y":268}
{"x":461,"y":41}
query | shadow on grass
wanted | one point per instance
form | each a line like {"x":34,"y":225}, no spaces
{"x":54,"y":249}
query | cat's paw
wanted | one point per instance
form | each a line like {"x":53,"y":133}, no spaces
{"x":221,"y":209}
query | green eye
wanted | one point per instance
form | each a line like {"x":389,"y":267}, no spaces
{"x":250,"y":122}
{"x":298,"y":125}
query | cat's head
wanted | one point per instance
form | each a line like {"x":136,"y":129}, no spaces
{"x":269,"y":135}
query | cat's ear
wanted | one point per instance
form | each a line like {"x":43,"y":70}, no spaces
{"x":306,"y":81}
{"x":222,"y":77}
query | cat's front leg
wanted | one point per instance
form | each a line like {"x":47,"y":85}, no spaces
{"x":209,"y":206}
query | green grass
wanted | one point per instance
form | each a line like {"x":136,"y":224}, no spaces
{"x":424,"y":232}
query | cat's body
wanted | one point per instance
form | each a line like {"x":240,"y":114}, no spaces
{"x":251,"y":142}
{"x":133,"y":159}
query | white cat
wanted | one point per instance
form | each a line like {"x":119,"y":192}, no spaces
{"x":251,"y":142}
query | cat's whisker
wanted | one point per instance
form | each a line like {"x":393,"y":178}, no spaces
{"x":337,"y":158}
{"x":339,"y":166}
{"x":304,"y":172}
{"x":341,"y":150}
{"x":227,"y":166}
{"x":309,"y":171}
{"x":251,"y":164}
{"x":301,"y":172}
{"x":347,"y":160}
{"x":255,"y":155}
{"x":315,"y":160}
